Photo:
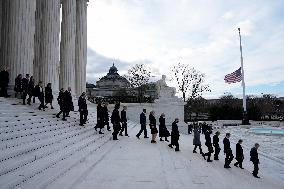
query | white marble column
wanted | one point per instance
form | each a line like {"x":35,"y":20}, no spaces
{"x":81,"y":46}
{"x":18,"y":29}
{"x":67,"y":45}
{"x":47,"y":42}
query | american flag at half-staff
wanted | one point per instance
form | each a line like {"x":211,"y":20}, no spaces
{"x":234,"y":77}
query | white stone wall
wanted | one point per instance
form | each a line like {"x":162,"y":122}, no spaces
{"x":18,"y":36}
{"x":67,"y":45}
{"x":81,"y":46}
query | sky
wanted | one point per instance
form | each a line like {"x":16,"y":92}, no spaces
{"x":202,"y":34}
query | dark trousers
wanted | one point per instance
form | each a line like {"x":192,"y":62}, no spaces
{"x":200,"y":149}
{"x":228,"y":159}
{"x":255,"y":168}
{"x":143,"y":128}
{"x":217,"y":151}
{"x":116,"y":129}
{"x":83,"y":117}
{"x":239,"y":162}
{"x":123,"y":127}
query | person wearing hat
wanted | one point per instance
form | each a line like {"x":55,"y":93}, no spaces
{"x":83,"y":109}
{"x":216,"y":145}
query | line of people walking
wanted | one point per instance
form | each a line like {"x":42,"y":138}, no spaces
{"x":197,"y":130}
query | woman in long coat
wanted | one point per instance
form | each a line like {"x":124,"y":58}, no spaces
{"x":153,"y":126}
{"x":48,"y":95}
{"x":196,"y":139}
{"x":163,"y":131}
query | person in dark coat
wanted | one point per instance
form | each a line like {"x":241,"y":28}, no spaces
{"x":68,"y":103}
{"x":196,"y":139}
{"x":83,"y":109}
{"x":175,"y":135}
{"x":123,"y":121}
{"x":48,"y":95}
{"x":163,"y":131}
{"x":18,"y":88}
{"x":4,"y":82}
{"x":60,"y":100}
{"x":227,"y":151}
{"x":143,"y":124}
{"x":100,"y":118}
{"x":255,"y":160}
{"x":239,"y":154}
{"x":25,"y":86}
{"x":115,"y":120}
{"x":216,"y":145}
{"x":153,"y":126}
{"x":105,"y":116}
{"x":40,"y":95}
{"x":31,"y":88}
{"x":208,"y":143}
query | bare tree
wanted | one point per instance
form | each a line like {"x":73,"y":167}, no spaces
{"x":189,"y":81}
{"x":138,"y":76}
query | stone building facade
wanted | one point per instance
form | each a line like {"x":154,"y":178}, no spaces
{"x":33,"y":41}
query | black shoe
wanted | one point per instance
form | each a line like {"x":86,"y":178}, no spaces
{"x":194,"y":152}
{"x":146,"y":137}
{"x":208,"y":160}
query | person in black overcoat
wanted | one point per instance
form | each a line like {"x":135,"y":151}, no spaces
{"x":105,"y":116}
{"x":68,"y":103}
{"x":123,"y":121}
{"x":239,"y":154}
{"x":40,"y":95}
{"x":18,"y":88}
{"x":216,"y":145}
{"x":48,"y":95}
{"x":255,"y":160}
{"x":143,"y":120}
{"x":163,"y":131}
{"x":100,"y":118}
{"x":4,"y":82}
{"x":175,"y":135}
{"x":115,"y":120}
{"x":31,"y":88}
{"x":153,"y":126}
{"x":25,"y":86}
{"x":83,"y":109}
{"x":227,"y":151}
{"x":60,"y":100}
{"x":208,"y":143}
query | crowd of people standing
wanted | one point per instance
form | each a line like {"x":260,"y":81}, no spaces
{"x":25,"y":87}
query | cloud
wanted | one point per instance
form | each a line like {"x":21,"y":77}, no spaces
{"x":203,"y":34}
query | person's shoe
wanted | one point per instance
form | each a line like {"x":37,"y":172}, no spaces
{"x":194,"y":152}
{"x":101,"y":132}
{"x":146,"y":137}
{"x":171,"y":146}
{"x":255,"y":176}
{"x":177,"y":150}
{"x":161,"y":139}
{"x":137,"y":136}
{"x":209,"y":160}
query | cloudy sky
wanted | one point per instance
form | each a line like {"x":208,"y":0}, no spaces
{"x":203,"y":34}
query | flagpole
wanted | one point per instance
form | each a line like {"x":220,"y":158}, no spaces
{"x":245,"y":118}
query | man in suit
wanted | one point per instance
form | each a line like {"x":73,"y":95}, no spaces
{"x":123,"y":121}
{"x":227,"y":151}
{"x":239,"y":154}
{"x":255,"y":160}
{"x":175,"y":135}
{"x":143,"y":124}
{"x":216,"y":145}
{"x":83,"y":109}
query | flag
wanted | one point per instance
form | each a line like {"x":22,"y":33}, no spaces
{"x":234,"y":77}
